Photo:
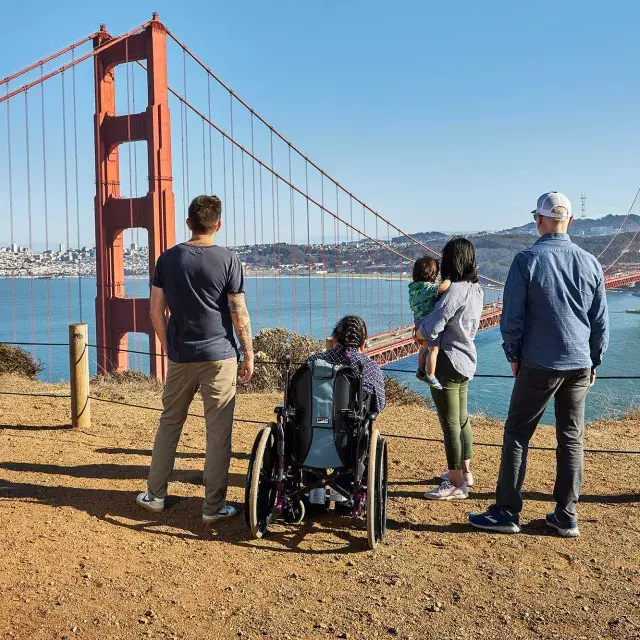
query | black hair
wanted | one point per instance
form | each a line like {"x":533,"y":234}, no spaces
{"x":350,"y":332}
{"x":459,"y":261}
{"x":205,"y":213}
{"x":425,"y":269}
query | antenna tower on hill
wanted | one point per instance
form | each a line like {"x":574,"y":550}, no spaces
{"x":583,"y":197}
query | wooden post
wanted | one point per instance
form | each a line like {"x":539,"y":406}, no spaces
{"x":79,"y":375}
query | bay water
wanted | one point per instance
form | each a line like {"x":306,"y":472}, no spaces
{"x":40,"y":310}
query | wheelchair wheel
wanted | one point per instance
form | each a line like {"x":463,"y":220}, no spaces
{"x":376,"y":490}
{"x":247,"y":482}
{"x":262,"y":483}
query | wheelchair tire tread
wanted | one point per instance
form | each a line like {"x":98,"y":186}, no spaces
{"x":265,"y":436}
{"x":371,"y":490}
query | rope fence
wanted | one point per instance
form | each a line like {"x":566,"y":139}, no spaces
{"x":398,"y":436}
{"x":277,"y":363}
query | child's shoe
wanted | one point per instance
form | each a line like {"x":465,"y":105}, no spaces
{"x":421,"y":375}
{"x":432,"y":381}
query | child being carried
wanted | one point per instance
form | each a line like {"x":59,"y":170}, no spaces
{"x":423,"y":295}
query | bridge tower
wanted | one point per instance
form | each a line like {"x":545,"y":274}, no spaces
{"x":116,"y":314}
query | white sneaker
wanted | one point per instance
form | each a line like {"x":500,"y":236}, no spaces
{"x":446,"y":491}
{"x":146,"y":501}
{"x":225,"y":511}
{"x":317,"y":496}
{"x":467,"y":478}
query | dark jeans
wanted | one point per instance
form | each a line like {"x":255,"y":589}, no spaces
{"x":451,"y":404}
{"x":532,"y":392}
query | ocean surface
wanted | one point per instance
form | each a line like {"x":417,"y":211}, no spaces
{"x":40,"y":310}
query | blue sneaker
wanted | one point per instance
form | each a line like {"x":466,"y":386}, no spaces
{"x":496,"y":518}
{"x":571,"y":531}
{"x":432,"y":381}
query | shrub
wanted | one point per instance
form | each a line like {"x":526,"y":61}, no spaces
{"x":18,"y":361}
{"x":274,"y":345}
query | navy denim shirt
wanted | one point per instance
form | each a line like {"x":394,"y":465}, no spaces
{"x":555,"y":307}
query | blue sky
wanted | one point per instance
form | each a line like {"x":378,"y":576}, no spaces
{"x":442,"y":116}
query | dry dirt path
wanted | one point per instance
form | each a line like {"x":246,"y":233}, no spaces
{"x":79,"y":559}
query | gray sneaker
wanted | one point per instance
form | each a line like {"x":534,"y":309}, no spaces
{"x":225,"y":511}
{"x":148,"y":502}
{"x":467,"y":477}
{"x":446,"y":491}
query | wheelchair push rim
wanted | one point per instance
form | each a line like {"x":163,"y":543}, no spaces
{"x":376,"y":490}
{"x":262,"y":486}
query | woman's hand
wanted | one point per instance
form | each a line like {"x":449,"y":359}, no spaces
{"x":515,"y":367}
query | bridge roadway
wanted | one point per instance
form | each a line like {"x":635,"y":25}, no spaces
{"x":396,"y":344}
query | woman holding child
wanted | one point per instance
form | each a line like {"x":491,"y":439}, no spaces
{"x":449,"y":332}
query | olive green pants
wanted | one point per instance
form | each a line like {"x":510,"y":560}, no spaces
{"x":451,"y":405}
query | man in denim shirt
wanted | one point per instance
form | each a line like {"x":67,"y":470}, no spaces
{"x":555,"y":331}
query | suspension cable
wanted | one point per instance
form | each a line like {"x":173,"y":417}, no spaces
{"x":44,"y":61}
{"x":92,"y":54}
{"x":305,"y":157}
{"x":75,"y":156}
{"x":46,"y":220}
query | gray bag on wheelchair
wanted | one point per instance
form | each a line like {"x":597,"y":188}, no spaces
{"x":324,"y":434}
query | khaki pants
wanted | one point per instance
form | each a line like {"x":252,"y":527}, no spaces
{"x":217,"y":384}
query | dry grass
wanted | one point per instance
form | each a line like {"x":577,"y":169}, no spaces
{"x":81,"y":560}
{"x":17,"y":361}
{"x":399,"y":394}
{"x":113,"y":385}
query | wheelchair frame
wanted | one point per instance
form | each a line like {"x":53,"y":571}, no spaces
{"x":275,"y":488}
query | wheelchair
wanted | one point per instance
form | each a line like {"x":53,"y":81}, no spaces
{"x":323,"y":437}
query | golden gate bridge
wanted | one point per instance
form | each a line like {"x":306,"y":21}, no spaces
{"x":276,"y":199}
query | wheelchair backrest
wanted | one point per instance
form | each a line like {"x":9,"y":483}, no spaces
{"x":322,"y":434}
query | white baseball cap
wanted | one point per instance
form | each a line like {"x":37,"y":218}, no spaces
{"x":553,"y":205}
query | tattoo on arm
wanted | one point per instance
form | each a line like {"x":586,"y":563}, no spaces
{"x":241,"y":321}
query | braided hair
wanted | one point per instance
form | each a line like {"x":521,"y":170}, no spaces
{"x":350,"y":332}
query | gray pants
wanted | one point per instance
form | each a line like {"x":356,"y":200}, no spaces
{"x":532,"y":391}
{"x":217,"y":384}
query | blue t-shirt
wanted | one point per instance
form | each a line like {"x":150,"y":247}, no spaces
{"x":196,"y":281}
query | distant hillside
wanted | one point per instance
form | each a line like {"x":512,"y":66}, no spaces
{"x":495,"y":250}
{"x":588,"y":227}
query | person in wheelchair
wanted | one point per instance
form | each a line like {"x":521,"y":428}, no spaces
{"x":324,"y":438}
{"x":349,"y":337}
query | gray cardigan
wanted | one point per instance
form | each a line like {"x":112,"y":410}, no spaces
{"x":453,"y":325}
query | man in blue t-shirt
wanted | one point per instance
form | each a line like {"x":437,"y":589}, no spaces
{"x":202,"y":286}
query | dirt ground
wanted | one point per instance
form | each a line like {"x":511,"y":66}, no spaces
{"x":79,"y":559}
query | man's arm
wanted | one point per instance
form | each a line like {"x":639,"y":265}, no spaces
{"x":242,"y":326}
{"x":512,"y":322}
{"x":158,"y":316}
{"x":599,"y":321}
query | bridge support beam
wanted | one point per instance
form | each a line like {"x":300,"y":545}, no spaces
{"x":117,"y":315}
